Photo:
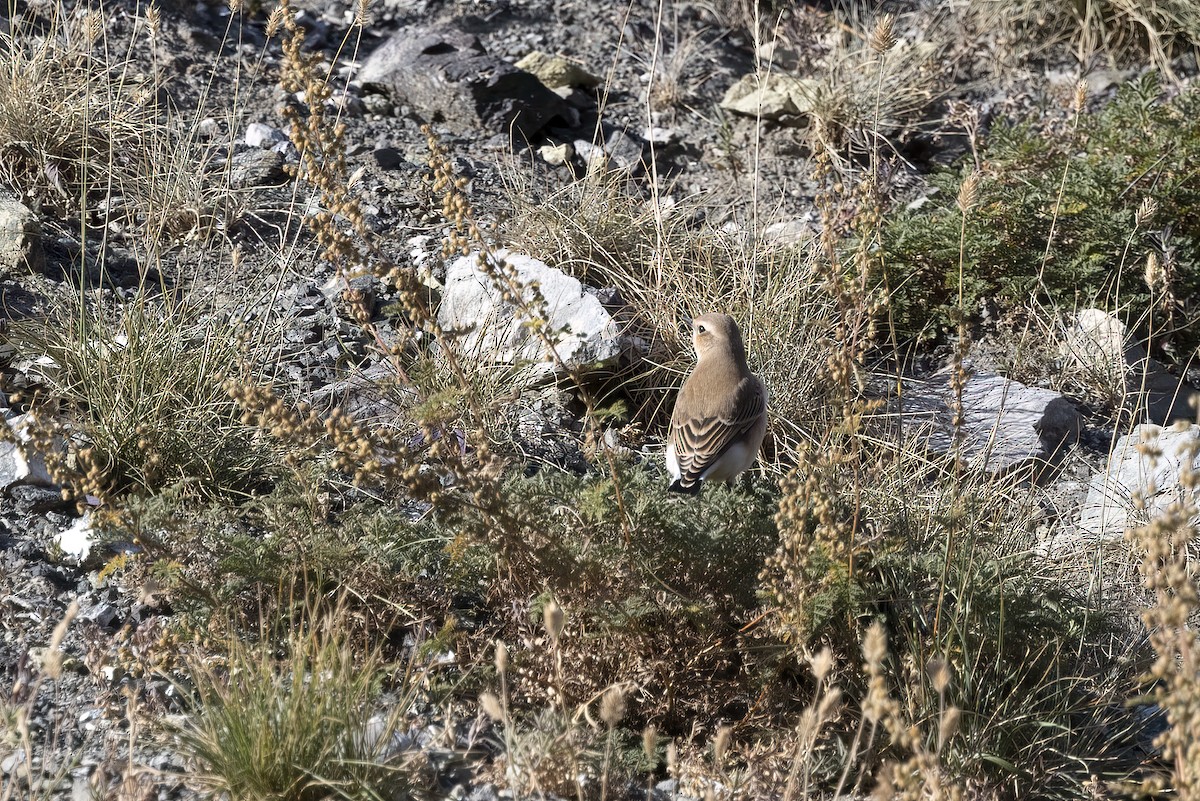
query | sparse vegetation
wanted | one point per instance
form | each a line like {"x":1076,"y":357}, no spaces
{"x":857,"y":616}
{"x":1101,"y":185}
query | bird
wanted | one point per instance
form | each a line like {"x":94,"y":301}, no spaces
{"x":720,"y":415}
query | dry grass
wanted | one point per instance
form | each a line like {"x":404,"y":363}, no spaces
{"x":300,"y":719}
{"x":137,"y":403}
{"x":626,"y":610}
{"x":1117,"y":31}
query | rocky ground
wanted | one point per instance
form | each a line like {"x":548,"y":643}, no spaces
{"x":616,"y":57}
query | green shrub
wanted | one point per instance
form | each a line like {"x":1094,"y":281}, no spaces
{"x":296,"y":722}
{"x":945,"y":563}
{"x":1139,"y":146}
{"x":139,"y":401}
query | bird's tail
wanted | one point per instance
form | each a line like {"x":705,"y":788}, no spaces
{"x":692,"y":488}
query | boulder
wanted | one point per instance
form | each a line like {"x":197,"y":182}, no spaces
{"x":1006,"y":424}
{"x":1109,"y":508}
{"x":253,"y":168}
{"x":492,"y":331}
{"x":1099,"y":345}
{"x":446,"y":76}
{"x":20,"y":237}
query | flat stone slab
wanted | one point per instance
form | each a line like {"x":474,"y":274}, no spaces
{"x":1109,"y":507}
{"x":1006,"y":424}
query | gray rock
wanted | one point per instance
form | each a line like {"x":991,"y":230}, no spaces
{"x":376,"y":396}
{"x":379,"y":105}
{"x":389,"y":158}
{"x":1099,"y":346}
{"x":20,"y":237}
{"x":1006,"y":425}
{"x":446,"y":75}
{"x":257,"y":168}
{"x":11,"y":762}
{"x":209,"y":128}
{"x":773,"y":96}
{"x":32,"y":499}
{"x":102,"y":614}
{"x":620,"y":150}
{"x":492,"y":331}
{"x":1109,"y":507}
{"x":484,"y":792}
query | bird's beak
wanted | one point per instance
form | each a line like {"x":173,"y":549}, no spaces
{"x":685,"y":326}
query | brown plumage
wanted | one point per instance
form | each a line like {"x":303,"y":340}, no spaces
{"x":720,"y":415}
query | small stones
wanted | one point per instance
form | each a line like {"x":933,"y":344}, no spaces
{"x":556,"y":155}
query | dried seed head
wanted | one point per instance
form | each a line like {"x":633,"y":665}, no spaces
{"x":673,"y":758}
{"x":1146,"y":211}
{"x":949,"y":724}
{"x":721,"y":743}
{"x":650,"y":743}
{"x":52,"y":662}
{"x":875,"y":645}
{"x":829,"y":703}
{"x":275,"y":20}
{"x":93,"y":26}
{"x":501,"y":657}
{"x":612,"y":706}
{"x":235,"y":5}
{"x":968,"y":193}
{"x":883,"y":38}
{"x":153,"y":20}
{"x":554,"y":619}
{"x":939,"y":674}
{"x":491,"y":706}
{"x":362,"y":13}
{"x":1155,"y":275}
{"x":821,"y":664}
{"x":1080,"y":102}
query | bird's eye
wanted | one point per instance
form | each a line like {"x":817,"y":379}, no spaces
{"x":700,"y":328}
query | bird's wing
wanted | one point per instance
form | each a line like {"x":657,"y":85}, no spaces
{"x":702,"y":437}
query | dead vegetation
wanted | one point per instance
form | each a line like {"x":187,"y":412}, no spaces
{"x":855,"y":618}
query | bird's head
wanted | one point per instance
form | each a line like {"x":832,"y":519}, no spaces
{"x":717,"y":333}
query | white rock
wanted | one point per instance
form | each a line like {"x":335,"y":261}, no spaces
{"x":491,"y":331}
{"x":264,"y":136}
{"x":771,"y":96}
{"x":659,"y":136}
{"x":556,"y":155}
{"x":1098,"y":344}
{"x":77,"y":540}
{"x":18,"y":463}
{"x":1108,"y":509}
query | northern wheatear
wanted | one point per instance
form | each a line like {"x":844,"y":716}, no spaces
{"x":720,"y":416}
